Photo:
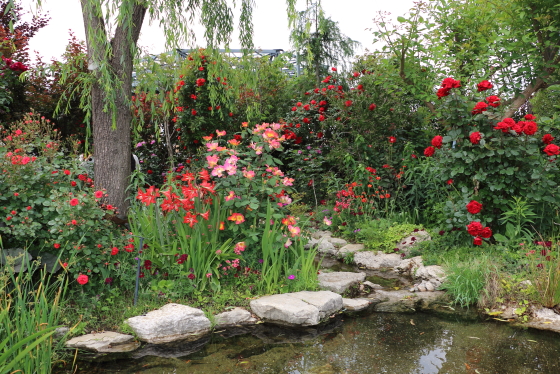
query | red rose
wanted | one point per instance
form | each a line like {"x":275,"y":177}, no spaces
{"x":547,"y":138}
{"x":480,"y":107}
{"x":530,"y":128}
{"x":518,"y":127}
{"x":333,"y":69}
{"x":321,"y":117}
{"x":551,"y":150}
{"x":486,"y":232}
{"x":477,"y":241}
{"x":450,"y":83}
{"x":327,"y":79}
{"x":437,"y":141}
{"x":474,"y":207}
{"x":493,"y":101}
{"x":193,"y":112}
{"x":392,"y":139}
{"x":474,"y":228}
{"x":442,"y":92}
{"x":56,"y":245}
{"x":306,"y":120}
{"x":82,"y":279}
{"x":530,"y":117}
{"x":73,"y":184}
{"x":475,"y":137}
{"x":74,"y":202}
{"x":306,"y":107}
{"x":429,"y":152}
{"x":114,"y":251}
{"x":348,"y":103}
{"x":505,"y":125}
{"x":372,"y":107}
{"x":483,"y":86}
{"x":200,"y":82}
{"x":450,"y":182}
{"x":191,"y":276}
{"x":319,"y":135}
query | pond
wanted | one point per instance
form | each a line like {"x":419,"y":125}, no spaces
{"x":377,"y":343}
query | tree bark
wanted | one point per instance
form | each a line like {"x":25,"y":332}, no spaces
{"x":524,"y":96}
{"x":111,"y":128}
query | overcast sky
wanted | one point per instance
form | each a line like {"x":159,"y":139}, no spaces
{"x":270,"y":24}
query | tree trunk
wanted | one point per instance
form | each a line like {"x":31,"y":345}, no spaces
{"x":112,"y":126}
{"x":524,"y":96}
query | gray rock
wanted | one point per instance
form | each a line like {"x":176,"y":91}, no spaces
{"x":403,"y":301}
{"x":47,"y":260}
{"x":326,"y":247}
{"x":350,"y":248}
{"x":170,"y":323}
{"x":337,"y":242}
{"x":104,"y":342}
{"x":409,"y":265}
{"x":430,"y":272}
{"x":373,"y":286}
{"x":60,"y":332}
{"x":379,"y":260}
{"x":16,"y":256}
{"x":356,"y":305}
{"x":339,"y":281}
{"x":320,"y":234}
{"x":236,"y":316}
{"x":544,"y":319}
{"x":304,"y":308}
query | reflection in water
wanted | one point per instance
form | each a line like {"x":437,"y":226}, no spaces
{"x":379,"y":343}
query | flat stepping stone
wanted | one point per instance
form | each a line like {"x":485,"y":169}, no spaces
{"x":234,"y":317}
{"x":305,"y":308}
{"x":379,"y":260}
{"x":351,"y":248}
{"x":337,"y":242}
{"x":104,"y":342}
{"x":170,"y":323}
{"x":355,"y":305}
{"x":339,"y":281}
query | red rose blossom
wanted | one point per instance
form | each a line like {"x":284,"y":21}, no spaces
{"x":475,"y":137}
{"x":480,"y":107}
{"x":429,"y":152}
{"x":551,"y":150}
{"x":372,"y":106}
{"x":547,"y":138}
{"x":477,"y":241}
{"x":530,"y":128}
{"x":82,"y":279}
{"x":530,"y":117}
{"x":474,"y":207}
{"x":484,"y":85}
{"x":74,"y":202}
{"x":486,"y":232}
{"x":493,"y":101}
{"x":437,"y":141}
{"x":474,"y":228}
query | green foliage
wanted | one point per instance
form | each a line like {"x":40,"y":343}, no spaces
{"x":383,"y":235}
{"x":517,"y":220}
{"x":466,"y":280}
{"x":543,"y":270}
{"x":29,"y":314}
{"x":546,"y":102}
{"x":48,"y":202}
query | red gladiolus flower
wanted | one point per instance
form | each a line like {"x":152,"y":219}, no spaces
{"x":392,"y":139}
{"x":530,"y":128}
{"x":429,"y":152}
{"x":547,"y":138}
{"x":82,"y":279}
{"x":437,"y":141}
{"x":372,"y":106}
{"x":551,"y":150}
{"x":205,"y":215}
{"x":74,"y":202}
{"x":190,"y":219}
{"x":479,"y":108}
{"x":477,"y":241}
{"x":474,"y":207}
{"x":484,"y":85}
{"x":475,"y":137}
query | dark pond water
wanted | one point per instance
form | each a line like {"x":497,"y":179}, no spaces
{"x":378,"y":343}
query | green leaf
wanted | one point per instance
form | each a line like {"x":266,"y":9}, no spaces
{"x":401,"y":19}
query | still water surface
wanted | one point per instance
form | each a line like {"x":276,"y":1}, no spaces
{"x":378,"y":343}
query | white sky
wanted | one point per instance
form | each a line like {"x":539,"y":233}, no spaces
{"x":269,"y":19}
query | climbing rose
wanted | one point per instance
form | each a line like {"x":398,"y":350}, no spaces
{"x":529,"y":117}
{"x":429,"y":152}
{"x":200,"y":82}
{"x":479,"y":108}
{"x":530,"y":128}
{"x":437,"y":141}
{"x":505,"y":125}
{"x":547,"y":138}
{"x":474,"y":228}
{"x":486,"y":232}
{"x":483,"y":86}
{"x":551,"y":150}
{"x":477,"y":241}
{"x":493,"y":101}
{"x":475,"y":137}
{"x":474,"y":207}
{"x":82,"y":279}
